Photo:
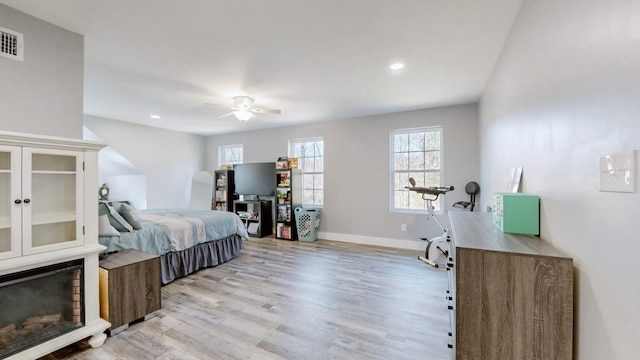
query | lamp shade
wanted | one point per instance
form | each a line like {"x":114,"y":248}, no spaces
{"x":242,"y":115}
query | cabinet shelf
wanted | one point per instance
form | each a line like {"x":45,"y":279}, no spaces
{"x":256,"y":215}
{"x":52,"y":172}
{"x":53,"y":218}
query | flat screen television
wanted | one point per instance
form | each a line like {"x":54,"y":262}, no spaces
{"x":255,"y":179}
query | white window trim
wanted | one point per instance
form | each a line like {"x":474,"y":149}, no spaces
{"x":290,"y":152}
{"x":221,"y":151}
{"x":392,"y":208}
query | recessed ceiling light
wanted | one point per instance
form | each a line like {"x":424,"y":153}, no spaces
{"x":396,"y":66}
{"x":155,"y":116}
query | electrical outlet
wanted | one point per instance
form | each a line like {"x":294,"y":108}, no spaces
{"x":403,"y":227}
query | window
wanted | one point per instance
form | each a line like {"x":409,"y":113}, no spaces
{"x":415,"y":153}
{"x":230,"y":154}
{"x":310,"y":154}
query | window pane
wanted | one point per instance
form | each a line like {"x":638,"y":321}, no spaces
{"x":432,"y":179}
{"x":308,"y":164}
{"x":416,"y":161}
{"x":318,"y":197}
{"x":415,"y":200}
{"x":402,"y":199}
{"x":401,"y":161}
{"x":401,"y":181}
{"x":416,"y":142}
{"x":415,"y":154}
{"x":309,"y":149}
{"x":318,"y":181}
{"x":319,"y":164}
{"x":432,"y":160}
{"x":307,"y":181}
{"x":307,"y":196}
{"x":432,"y":141}
{"x":401,"y":143}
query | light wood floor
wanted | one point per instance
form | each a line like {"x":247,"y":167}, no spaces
{"x":293,"y":300}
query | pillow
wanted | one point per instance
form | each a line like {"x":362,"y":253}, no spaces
{"x":115,"y":219}
{"x":129,"y":213}
{"x":105,"y":228}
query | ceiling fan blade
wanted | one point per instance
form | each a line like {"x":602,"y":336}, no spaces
{"x":225,"y":115}
{"x":217,"y":105}
{"x":265,"y":111}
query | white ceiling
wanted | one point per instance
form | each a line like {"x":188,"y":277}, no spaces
{"x":315,"y":60}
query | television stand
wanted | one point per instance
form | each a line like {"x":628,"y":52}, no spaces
{"x":256,"y":216}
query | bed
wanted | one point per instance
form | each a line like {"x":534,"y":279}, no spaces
{"x":186,"y":240}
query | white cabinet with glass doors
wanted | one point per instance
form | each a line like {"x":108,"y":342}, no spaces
{"x":41,"y":200}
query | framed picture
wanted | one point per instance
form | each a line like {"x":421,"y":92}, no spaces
{"x":618,"y":172}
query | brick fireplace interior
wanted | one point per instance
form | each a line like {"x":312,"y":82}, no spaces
{"x":40,"y":304}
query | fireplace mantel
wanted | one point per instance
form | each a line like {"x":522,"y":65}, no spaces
{"x":50,"y":216}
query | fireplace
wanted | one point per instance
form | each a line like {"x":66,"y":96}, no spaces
{"x":40,"y":304}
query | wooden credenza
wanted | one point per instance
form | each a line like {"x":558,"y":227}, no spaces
{"x":129,"y":288}
{"x":510,"y":296}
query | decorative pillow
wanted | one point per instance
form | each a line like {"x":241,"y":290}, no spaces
{"x":105,"y":228}
{"x":116,"y":220}
{"x":129,"y":213}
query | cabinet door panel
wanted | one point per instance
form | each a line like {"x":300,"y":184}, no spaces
{"x":10,"y":231}
{"x":53,"y":184}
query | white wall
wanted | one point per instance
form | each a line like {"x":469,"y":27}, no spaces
{"x":43,"y":93}
{"x":564,"y":92}
{"x":167,"y":159}
{"x":357,"y":169}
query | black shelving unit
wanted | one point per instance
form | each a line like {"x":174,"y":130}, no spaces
{"x":223,"y":195}
{"x":256,"y":215}
{"x":288,"y":197}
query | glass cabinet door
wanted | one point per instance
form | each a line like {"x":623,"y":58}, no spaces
{"x":10,"y":211}
{"x":52,"y":215}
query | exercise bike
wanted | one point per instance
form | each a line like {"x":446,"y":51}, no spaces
{"x":438,"y":246}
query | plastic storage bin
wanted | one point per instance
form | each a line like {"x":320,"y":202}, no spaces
{"x":308,"y":221}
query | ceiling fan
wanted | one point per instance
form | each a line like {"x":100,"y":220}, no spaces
{"x":243,"y":109}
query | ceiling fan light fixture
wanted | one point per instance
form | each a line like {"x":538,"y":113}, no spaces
{"x":242,"y":114}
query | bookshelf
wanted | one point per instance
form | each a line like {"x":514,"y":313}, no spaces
{"x":288,"y":197}
{"x":223,"y":195}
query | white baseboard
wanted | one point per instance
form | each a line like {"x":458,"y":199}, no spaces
{"x":376,"y":241}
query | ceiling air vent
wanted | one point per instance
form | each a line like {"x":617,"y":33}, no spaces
{"x":12,"y":44}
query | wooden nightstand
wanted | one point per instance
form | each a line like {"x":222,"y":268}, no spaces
{"x":129,"y":288}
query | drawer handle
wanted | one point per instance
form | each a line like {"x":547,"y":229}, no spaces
{"x":18,"y":201}
{"x":26,"y":201}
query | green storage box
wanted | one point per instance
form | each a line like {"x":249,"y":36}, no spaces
{"x":517,"y":213}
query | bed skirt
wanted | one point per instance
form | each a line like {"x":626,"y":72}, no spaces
{"x":212,"y":253}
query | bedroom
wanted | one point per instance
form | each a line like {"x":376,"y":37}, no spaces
{"x":562,"y":89}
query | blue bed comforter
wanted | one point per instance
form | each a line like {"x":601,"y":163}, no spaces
{"x":166,"y":230}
